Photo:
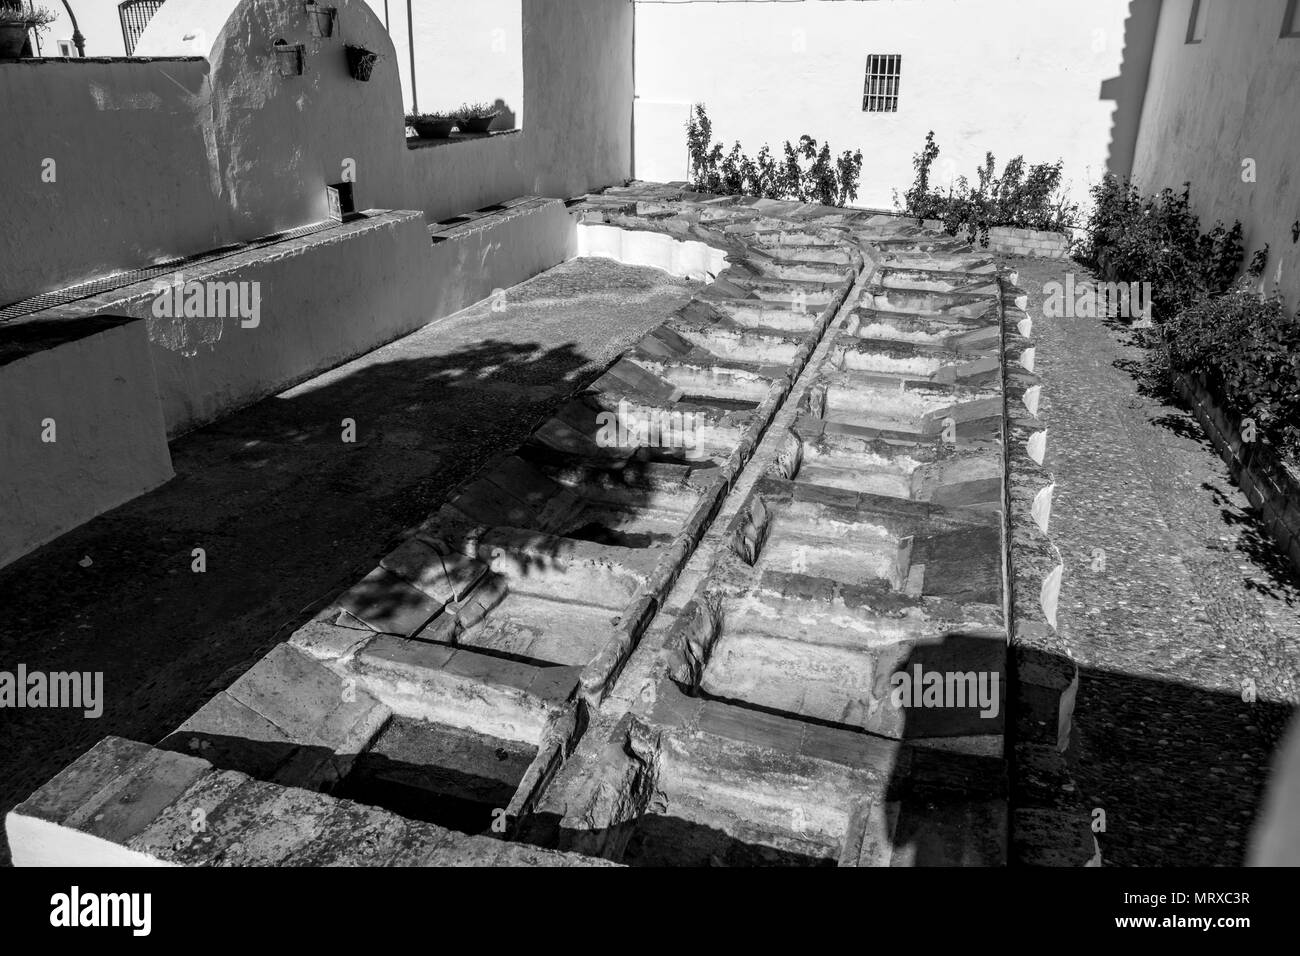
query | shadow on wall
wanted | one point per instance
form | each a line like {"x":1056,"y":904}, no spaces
{"x":506,"y":117}
{"x":1128,"y":89}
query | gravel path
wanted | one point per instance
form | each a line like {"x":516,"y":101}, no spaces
{"x":1173,"y":600}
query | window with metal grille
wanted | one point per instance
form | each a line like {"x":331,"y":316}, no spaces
{"x":1291,"y":19}
{"x":135,"y":16}
{"x":1196,"y":22}
{"x":880,"y":95}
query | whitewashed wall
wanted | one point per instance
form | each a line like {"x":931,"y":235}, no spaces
{"x":1040,"y":78}
{"x":166,"y":158}
{"x":1211,"y":106}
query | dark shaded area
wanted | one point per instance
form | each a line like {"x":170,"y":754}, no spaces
{"x":19,"y":339}
{"x":659,"y":840}
{"x":453,"y":778}
{"x":289,"y":515}
{"x":1170,"y":798}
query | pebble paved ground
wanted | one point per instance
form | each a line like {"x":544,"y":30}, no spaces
{"x":1173,"y":598}
{"x":288,"y":514}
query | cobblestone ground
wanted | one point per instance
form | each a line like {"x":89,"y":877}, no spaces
{"x":288,"y":514}
{"x":1173,"y":599}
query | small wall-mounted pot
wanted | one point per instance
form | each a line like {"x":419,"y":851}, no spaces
{"x":342,"y":206}
{"x":322,"y":19}
{"x":289,"y":58}
{"x":361,"y":62}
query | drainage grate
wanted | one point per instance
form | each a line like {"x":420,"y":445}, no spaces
{"x":118,"y":280}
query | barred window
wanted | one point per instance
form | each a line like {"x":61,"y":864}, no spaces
{"x":135,"y":16}
{"x":1196,"y":22}
{"x":880,"y":95}
{"x":1291,"y":19}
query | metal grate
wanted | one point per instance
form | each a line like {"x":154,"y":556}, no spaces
{"x":880,"y":95}
{"x":135,"y":16}
{"x":119,"y":280}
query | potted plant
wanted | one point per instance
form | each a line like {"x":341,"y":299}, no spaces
{"x":476,"y":117}
{"x":431,"y":125}
{"x":17,"y":17}
{"x":361,"y":62}
{"x":322,"y":19}
{"x":288,"y":58}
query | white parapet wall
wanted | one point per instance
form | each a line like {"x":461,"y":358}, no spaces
{"x":686,"y":258}
{"x":81,"y":430}
{"x":291,"y":310}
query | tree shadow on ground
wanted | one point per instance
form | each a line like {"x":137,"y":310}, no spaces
{"x":288,"y":513}
{"x":1254,"y":542}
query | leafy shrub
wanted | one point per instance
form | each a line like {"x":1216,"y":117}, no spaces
{"x":26,"y":12}
{"x":825,"y":179}
{"x":1021,"y":198}
{"x":1158,"y":239}
{"x":1248,"y":349}
{"x":476,"y":111}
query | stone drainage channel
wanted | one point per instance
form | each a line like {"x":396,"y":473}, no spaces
{"x":825,"y":684}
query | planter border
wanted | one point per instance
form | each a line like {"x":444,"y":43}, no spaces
{"x":1268,"y":483}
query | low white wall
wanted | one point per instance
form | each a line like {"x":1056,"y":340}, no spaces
{"x":323,"y":300}
{"x":1056,"y":80}
{"x":686,"y":258}
{"x":98,"y":391}
{"x":167,"y":158}
{"x":1211,"y":106}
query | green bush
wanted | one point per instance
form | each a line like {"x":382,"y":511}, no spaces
{"x":1248,"y":349}
{"x":1020,"y":198}
{"x":805,"y":172}
{"x":1158,"y":239}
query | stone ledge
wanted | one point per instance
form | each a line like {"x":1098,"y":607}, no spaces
{"x":126,"y":804}
{"x":415,"y":142}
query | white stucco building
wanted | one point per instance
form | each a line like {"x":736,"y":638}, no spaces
{"x":984,"y":75}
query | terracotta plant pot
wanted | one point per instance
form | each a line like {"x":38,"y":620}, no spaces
{"x":289,"y":58}
{"x":361,"y":63}
{"x":12,"y":38}
{"x":434,"y":129}
{"x":322,"y":20}
{"x":476,"y":124}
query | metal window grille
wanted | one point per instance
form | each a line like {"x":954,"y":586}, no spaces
{"x":1196,"y":22}
{"x":1291,"y":19}
{"x":880,"y":95}
{"x":135,"y":16}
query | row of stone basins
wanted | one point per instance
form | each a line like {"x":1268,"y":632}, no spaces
{"x":819,"y":431}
